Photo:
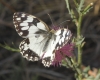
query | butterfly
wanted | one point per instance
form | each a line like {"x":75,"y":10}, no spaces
{"x":40,"y":41}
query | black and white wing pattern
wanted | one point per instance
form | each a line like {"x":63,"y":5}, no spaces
{"x":27,"y":25}
{"x":40,"y":41}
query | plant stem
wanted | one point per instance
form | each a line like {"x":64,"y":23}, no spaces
{"x":79,"y":45}
{"x":79,"y":37}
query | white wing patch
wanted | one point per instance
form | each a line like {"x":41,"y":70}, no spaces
{"x":40,"y":43}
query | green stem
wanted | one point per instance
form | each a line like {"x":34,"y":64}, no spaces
{"x":9,"y":48}
{"x":79,"y":45}
{"x":71,"y":11}
{"x":79,"y":37}
{"x":75,"y":3}
{"x":78,"y":22}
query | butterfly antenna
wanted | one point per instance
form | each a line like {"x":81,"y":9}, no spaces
{"x":51,"y":20}
{"x":62,"y":22}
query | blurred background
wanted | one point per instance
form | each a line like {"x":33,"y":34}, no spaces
{"x":14,"y":67}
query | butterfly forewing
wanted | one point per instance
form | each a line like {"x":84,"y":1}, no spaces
{"x":40,"y":42}
{"x":26,"y":25}
{"x":62,"y":37}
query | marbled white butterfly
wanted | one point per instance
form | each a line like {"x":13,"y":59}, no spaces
{"x":40,"y":41}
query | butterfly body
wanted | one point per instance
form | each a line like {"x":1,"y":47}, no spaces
{"x":40,"y":41}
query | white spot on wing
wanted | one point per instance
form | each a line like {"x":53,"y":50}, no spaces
{"x":30,"y":59}
{"x":21,"y":33}
{"x":64,"y":33}
{"x":36,"y":59}
{"x":60,"y":42}
{"x":58,"y":32}
{"x":67,"y":37}
{"x":26,"y":55}
{"x":23,"y":24}
{"x":29,"y":19}
{"x":25,"y":28}
{"x":68,"y":32}
{"x":62,"y":39}
{"x":18,"y":19}
{"x":15,"y":26}
{"x":23,"y":15}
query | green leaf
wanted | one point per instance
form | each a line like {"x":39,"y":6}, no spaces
{"x":80,"y":6}
{"x":97,"y":77}
{"x":9,"y":48}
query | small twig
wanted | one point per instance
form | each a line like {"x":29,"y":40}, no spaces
{"x":9,"y":48}
{"x":6,"y":23}
{"x":7,"y":5}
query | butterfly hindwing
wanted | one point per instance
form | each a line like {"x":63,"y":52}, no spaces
{"x":27,"y":52}
{"x":33,"y":50}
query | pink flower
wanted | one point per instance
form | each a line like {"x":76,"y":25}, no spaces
{"x":55,"y":27}
{"x":62,"y":53}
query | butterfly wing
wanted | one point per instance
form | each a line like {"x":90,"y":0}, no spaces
{"x":27,"y":25}
{"x":57,"y":41}
{"x":35,"y":31}
{"x":31,"y":49}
